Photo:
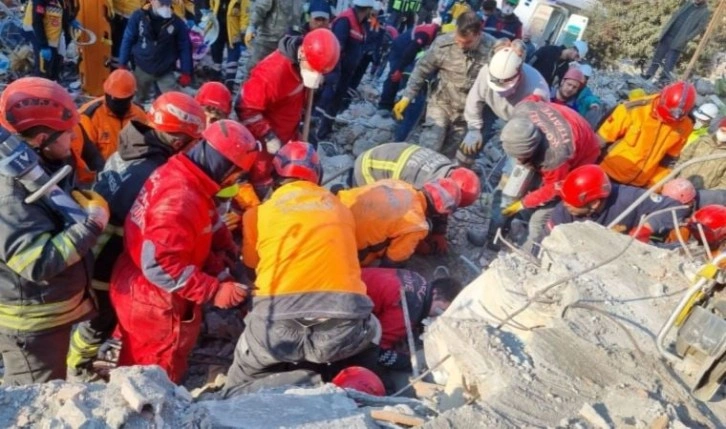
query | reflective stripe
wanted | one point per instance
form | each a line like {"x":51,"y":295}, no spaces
{"x":99,"y":285}
{"x":80,"y":350}
{"x":395,"y":167}
{"x":106,"y":235}
{"x":20,"y":261}
{"x":36,"y":317}
{"x":155,"y":273}
{"x":66,"y":248}
{"x":403,"y":159}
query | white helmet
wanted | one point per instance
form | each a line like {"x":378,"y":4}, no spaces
{"x":706,"y":112}
{"x":504,"y":69}
{"x":581,"y":47}
{"x":586,"y":69}
{"x":364,"y":3}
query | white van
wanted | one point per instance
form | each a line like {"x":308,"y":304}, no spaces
{"x":555,"y":22}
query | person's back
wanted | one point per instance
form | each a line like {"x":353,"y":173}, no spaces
{"x":402,"y":161}
{"x":390,"y":220}
{"x":709,"y":174}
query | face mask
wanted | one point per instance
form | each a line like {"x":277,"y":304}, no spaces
{"x":311,"y":79}
{"x":118,"y":106}
{"x":507,"y":92}
{"x":721,"y":136}
{"x":507,"y":9}
{"x":163,"y":11}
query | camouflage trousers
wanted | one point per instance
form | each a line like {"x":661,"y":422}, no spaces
{"x":261,"y":47}
{"x":444,"y":128}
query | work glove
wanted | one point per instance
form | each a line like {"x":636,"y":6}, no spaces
{"x":46,"y":54}
{"x":513,"y":208}
{"x":399,"y":107}
{"x":249,"y":35}
{"x":642,"y":235}
{"x":472,"y":143}
{"x":434,"y":244}
{"x":229,"y":294}
{"x":185,"y":79}
{"x":396,"y":76}
{"x":75,"y":24}
{"x":231,"y":219}
{"x":272,"y":143}
{"x":94,"y":205}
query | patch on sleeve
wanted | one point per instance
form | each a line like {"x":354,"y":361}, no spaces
{"x":656,"y":198}
{"x":40,"y":9}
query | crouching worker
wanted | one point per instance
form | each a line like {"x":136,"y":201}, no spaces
{"x":423,"y":300}
{"x":172,"y":232}
{"x":392,"y":217}
{"x":45,"y":261}
{"x":588,"y":194}
{"x":310,"y":308}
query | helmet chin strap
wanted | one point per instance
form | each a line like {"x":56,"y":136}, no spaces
{"x":52,"y":138}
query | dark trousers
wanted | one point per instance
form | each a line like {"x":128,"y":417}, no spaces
{"x":118,"y":26}
{"x":663,"y":56}
{"x":32,"y":357}
{"x":411,"y":117}
{"x":48,"y":69}
{"x":91,"y":334}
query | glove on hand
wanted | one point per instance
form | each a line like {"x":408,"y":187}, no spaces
{"x":396,"y":76}
{"x":272,"y":143}
{"x":94,"y":205}
{"x":513,"y":209}
{"x":439,"y":244}
{"x":185,"y":79}
{"x":229,"y":294}
{"x":232,"y":220}
{"x":472,"y":143}
{"x":399,"y":107}
{"x":46,"y":54}
{"x":249,"y":35}
{"x":642,"y":235}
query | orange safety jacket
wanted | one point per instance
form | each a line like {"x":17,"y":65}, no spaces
{"x":390,"y":219}
{"x":301,"y":243}
{"x":640,"y":142}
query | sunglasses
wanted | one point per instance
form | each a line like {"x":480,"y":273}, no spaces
{"x":503,"y":82}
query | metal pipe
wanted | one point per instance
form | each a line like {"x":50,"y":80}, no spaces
{"x":308,"y":114}
{"x":409,"y":334}
{"x":670,"y":175}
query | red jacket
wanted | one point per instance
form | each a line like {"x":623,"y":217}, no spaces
{"x":158,"y":285}
{"x":384,"y":289}
{"x":571,"y":143}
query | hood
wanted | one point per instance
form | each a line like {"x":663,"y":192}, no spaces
{"x":289,"y":45}
{"x":138,"y":140}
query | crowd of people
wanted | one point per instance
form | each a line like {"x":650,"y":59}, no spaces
{"x":217,"y":200}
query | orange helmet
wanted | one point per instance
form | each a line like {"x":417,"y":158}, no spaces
{"x":443,"y":194}
{"x":298,"y":160}
{"x":233,"y":141}
{"x":676,"y":101}
{"x":120,"y":84}
{"x":361,"y":379}
{"x":216,"y":95}
{"x":584,"y":185}
{"x":468,"y":183}
{"x":712,"y":219}
{"x":321,"y":50}
{"x":176,"y":112}
{"x":34,"y":101}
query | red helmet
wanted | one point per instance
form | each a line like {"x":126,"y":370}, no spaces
{"x":713,"y":220}
{"x":321,"y":50}
{"x":676,"y":101}
{"x":468,"y":183}
{"x":680,"y":189}
{"x":176,"y":112}
{"x":444,"y":195}
{"x":392,"y":32}
{"x":361,"y":379}
{"x":233,"y":141}
{"x":215,"y":94}
{"x":575,"y":74}
{"x":298,"y":160}
{"x":584,"y":185}
{"x":33,"y":101}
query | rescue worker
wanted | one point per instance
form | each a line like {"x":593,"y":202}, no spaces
{"x":119,"y":18}
{"x":552,"y":61}
{"x":392,"y":217}
{"x":642,"y":158}
{"x":232,"y":18}
{"x":588,"y":104}
{"x":272,"y":100}
{"x":155,"y":39}
{"x":165,"y":274}
{"x":216,"y":100}
{"x":687,"y":23}
{"x":500,"y":85}
{"x":529,"y":46}
{"x":588,"y":194}
{"x":319,"y":14}
{"x":175,"y":123}
{"x":423,"y":300}
{"x":710,"y":174}
{"x":416,"y":166}
{"x":505,"y":23}
{"x":310,"y":305}
{"x":683,"y":191}
{"x":269,"y":21}
{"x":402,"y":14}
{"x":96,"y":136}
{"x":552,"y":140}
{"x":703,"y":116}
{"x":351,"y":34}
{"x":404,"y":50}
{"x":50,"y":21}
{"x":45,"y":260}
{"x":712,"y":221}
{"x":457,"y":57}
{"x":378,"y":37}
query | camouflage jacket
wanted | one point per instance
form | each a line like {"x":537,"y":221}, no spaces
{"x":457,"y":70}
{"x":709,"y":174}
{"x":273,"y":18}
